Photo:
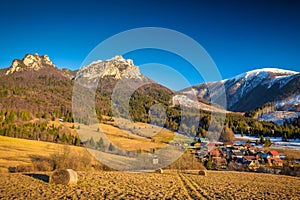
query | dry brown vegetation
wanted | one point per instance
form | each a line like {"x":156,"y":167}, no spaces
{"x":29,"y":155}
{"x":98,"y":184}
{"x":169,"y":185}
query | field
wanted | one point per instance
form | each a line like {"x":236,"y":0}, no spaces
{"x":131,"y":136}
{"x":93,"y":184}
{"x":15,"y":152}
{"x":170,"y":185}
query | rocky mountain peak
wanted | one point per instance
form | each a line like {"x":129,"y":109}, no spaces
{"x":30,"y":62}
{"x":116,"y":67}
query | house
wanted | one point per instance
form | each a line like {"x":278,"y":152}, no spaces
{"x":202,"y":155}
{"x":203,"y":140}
{"x":195,"y":148}
{"x":276,"y":162}
{"x":273,"y":154}
{"x":219,"y":144}
{"x":251,"y":162}
{"x":228,"y":144}
{"x":248,"y":158}
{"x":236,"y":154}
{"x":215,"y":153}
{"x":252,"y":150}
{"x":211,"y":146}
{"x":219,"y":163}
{"x":253,"y":165}
{"x":246,"y":146}
{"x":262,"y":155}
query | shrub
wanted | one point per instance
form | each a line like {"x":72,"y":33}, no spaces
{"x":21,"y":168}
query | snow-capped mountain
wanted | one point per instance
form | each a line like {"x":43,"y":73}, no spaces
{"x":250,"y":90}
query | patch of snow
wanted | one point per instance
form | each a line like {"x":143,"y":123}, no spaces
{"x":283,"y":80}
{"x":291,"y":101}
{"x":274,"y":70}
{"x":279,"y":117}
{"x":277,"y":142}
{"x":193,"y":103}
{"x":263,"y":72}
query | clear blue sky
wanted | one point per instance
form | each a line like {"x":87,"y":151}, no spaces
{"x":238,"y":35}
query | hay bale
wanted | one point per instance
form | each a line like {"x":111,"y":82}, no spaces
{"x":64,"y":176}
{"x":160,"y":171}
{"x":202,"y":172}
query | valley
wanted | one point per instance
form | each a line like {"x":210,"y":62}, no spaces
{"x":41,"y":131}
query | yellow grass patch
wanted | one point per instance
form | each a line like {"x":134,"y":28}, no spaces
{"x":14,"y":151}
{"x":127,"y":140}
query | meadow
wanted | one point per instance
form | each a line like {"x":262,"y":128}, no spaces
{"x":96,"y":183}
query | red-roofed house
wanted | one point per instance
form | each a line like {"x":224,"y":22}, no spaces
{"x":215,"y":153}
{"x":228,"y":144}
{"x":273,"y":154}
{"x":248,"y":158}
{"x":211,"y":145}
{"x":275,"y":161}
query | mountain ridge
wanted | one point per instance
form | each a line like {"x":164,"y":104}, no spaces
{"x":246,"y":91}
{"x":267,"y":82}
{"x":46,"y":93}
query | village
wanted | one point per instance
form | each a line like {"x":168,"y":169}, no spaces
{"x":241,"y":157}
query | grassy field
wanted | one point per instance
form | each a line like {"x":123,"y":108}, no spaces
{"x":122,"y":185}
{"x":127,"y":140}
{"x":20,"y":152}
{"x":15,"y":152}
{"x":170,"y":185}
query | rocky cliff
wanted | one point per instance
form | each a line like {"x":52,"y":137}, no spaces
{"x":30,"y":62}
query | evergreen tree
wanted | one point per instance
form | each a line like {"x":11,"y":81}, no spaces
{"x":111,"y":147}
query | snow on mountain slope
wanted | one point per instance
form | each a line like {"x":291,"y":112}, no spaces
{"x":184,"y":100}
{"x":290,"y":103}
{"x":252,"y":89}
{"x":279,"y":117}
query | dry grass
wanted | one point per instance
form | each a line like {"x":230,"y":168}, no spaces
{"x":121,"y":185}
{"x":127,"y":140}
{"x":131,"y":137}
{"x":169,"y":185}
{"x":21,"y":152}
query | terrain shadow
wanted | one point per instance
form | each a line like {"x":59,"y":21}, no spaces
{"x":42,"y":177}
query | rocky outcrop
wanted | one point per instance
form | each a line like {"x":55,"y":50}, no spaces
{"x":30,"y":62}
{"x":117,"y":68}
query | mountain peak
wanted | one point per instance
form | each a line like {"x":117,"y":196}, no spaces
{"x":116,"y":67}
{"x":30,"y":62}
{"x":253,"y":89}
{"x":264,"y":73}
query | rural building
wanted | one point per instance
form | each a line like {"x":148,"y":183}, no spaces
{"x":276,"y":162}
{"x":273,"y":154}
{"x":219,"y":163}
{"x":215,"y":153}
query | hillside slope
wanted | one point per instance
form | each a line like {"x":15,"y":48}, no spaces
{"x":253,"y":89}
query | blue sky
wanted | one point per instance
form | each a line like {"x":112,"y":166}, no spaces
{"x":238,"y":35}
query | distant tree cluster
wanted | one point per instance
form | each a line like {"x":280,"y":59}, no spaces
{"x":18,"y":124}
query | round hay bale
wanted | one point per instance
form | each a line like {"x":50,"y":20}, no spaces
{"x":202,"y":173}
{"x":64,"y":176}
{"x":160,"y":171}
